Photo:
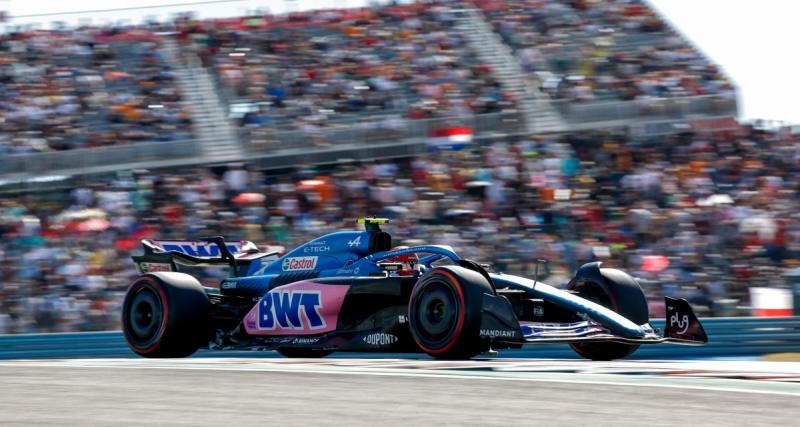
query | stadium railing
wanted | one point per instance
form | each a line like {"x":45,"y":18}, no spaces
{"x":388,"y":130}
{"x":383,"y":130}
{"x":148,"y":154}
{"x":83,"y":158}
{"x":583,"y":113}
{"x":728,"y":337}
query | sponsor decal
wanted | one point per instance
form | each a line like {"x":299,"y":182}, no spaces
{"x":278,"y":340}
{"x":316,"y":247}
{"x":390,"y":266}
{"x":538,"y":311}
{"x":150,"y":267}
{"x":291,"y":310}
{"x":299,"y":308}
{"x":305,"y":340}
{"x":300,"y":263}
{"x":680,"y":322}
{"x":202,"y":249}
{"x":354,"y":242}
{"x":380,"y":339}
{"x":497,"y":333}
{"x":346,"y":270}
{"x":228,"y":285}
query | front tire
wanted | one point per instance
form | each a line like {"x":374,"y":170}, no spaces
{"x":166,"y":314}
{"x":445,"y":312}
{"x":621,"y":293}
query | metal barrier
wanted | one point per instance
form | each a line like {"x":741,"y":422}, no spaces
{"x":85,"y":158}
{"x":265,"y":141}
{"x":397,"y":129}
{"x":579,"y":113}
{"x":733,"y":336}
{"x":262,"y":142}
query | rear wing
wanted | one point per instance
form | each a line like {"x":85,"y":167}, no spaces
{"x":165,"y":255}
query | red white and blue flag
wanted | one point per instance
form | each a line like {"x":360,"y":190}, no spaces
{"x":452,"y":138}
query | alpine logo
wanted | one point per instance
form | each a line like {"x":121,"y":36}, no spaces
{"x":380,"y":339}
{"x":291,"y":310}
{"x":299,"y":263}
{"x":355,"y":242}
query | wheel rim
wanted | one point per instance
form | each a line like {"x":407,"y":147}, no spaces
{"x":437,"y":313}
{"x":145,"y":315}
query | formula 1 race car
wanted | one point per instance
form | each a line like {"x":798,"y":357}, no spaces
{"x":352,"y":291}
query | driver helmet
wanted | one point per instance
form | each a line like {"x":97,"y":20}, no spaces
{"x":408,"y":262}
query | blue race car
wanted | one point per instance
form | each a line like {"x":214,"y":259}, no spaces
{"x":352,"y":291}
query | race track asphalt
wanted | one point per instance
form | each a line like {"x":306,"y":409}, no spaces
{"x":254,"y":392}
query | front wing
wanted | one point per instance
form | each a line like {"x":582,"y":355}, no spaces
{"x":682,"y":327}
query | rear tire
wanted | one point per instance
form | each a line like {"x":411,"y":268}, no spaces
{"x":621,"y":293}
{"x":305,"y":353}
{"x":445,"y":312}
{"x":166,"y":314}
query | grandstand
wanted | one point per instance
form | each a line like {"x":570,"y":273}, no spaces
{"x":598,"y":134}
{"x":603,"y":51}
{"x":66,"y":90}
{"x":256,"y":87}
{"x":338,"y":67}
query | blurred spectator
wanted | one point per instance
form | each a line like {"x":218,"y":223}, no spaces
{"x":602,"y":50}
{"x":327,"y":67}
{"x":87,"y":87}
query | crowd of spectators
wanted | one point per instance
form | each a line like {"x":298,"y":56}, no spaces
{"x":587,"y":50}
{"x":319,"y":68}
{"x":87,"y":87}
{"x":699,"y":215}
{"x":100,"y":86}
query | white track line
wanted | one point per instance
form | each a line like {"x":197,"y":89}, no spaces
{"x":708,"y":384}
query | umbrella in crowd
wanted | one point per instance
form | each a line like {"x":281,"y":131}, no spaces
{"x":246,"y":198}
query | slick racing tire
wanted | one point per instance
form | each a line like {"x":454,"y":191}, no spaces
{"x":445,"y":312}
{"x":166,"y":314}
{"x":621,"y":293}
{"x":304,"y":353}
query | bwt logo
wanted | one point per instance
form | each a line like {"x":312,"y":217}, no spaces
{"x":288,"y":309}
